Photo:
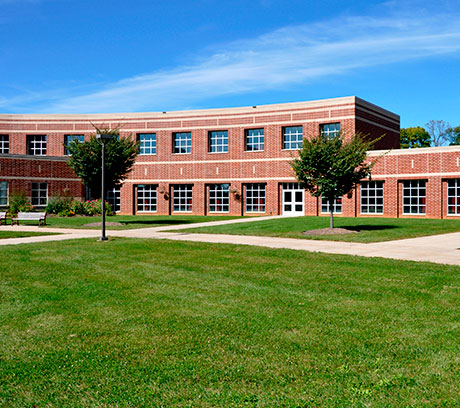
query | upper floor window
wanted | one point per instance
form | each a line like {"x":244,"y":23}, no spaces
{"x":254,"y":140}
{"x":292,"y":137}
{"x":329,"y":130}
{"x":182,"y":142}
{"x":453,"y":197}
{"x":218,"y":141}
{"x":3,"y":193}
{"x":4,"y":144}
{"x":39,"y":195}
{"x":148,"y":143}
{"x":414,"y":196}
{"x":36,"y":145}
{"x":372,"y":197}
{"x":69,"y":139}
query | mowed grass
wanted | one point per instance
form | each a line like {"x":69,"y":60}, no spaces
{"x":367,"y":229}
{"x":177,"y":324}
{"x":21,"y":234}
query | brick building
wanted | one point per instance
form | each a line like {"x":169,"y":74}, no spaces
{"x":232,"y":161}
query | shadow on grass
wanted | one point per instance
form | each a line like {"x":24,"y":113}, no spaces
{"x":370,"y":227}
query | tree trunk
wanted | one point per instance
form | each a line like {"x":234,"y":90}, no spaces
{"x":331,"y":218}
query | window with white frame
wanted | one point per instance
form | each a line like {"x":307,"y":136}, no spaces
{"x":414,"y":197}
{"x":113,"y":197}
{"x":219,"y":198}
{"x":147,"y":198}
{"x":36,"y":145}
{"x":148,"y":143}
{"x":329,"y":130}
{"x":336,"y":206}
{"x":182,"y":197}
{"x":453,"y":197}
{"x":3,"y":193}
{"x":182,"y":142}
{"x":4,"y":144}
{"x":254,"y":140}
{"x":372,"y":197}
{"x":39,"y":197}
{"x":255,"y":198}
{"x":218,"y":141}
{"x":292,"y":137}
{"x":69,"y":139}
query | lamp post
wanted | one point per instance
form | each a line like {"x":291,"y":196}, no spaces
{"x":102,"y":139}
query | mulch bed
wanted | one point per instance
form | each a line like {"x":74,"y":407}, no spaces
{"x":329,"y":231}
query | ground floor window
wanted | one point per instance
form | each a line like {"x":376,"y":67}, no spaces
{"x":414,"y":197}
{"x":147,"y":198}
{"x":453,"y":197}
{"x":336,"y":206}
{"x":39,"y":196}
{"x":3,"y":193}
{"x":219,"y":200}
{"x":182,"y":197}
{"x":372,"y":197}
{"x":255,"y":198}
{"x":113,"y":197}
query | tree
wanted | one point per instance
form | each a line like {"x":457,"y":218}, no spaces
{"x":437,"y":130}
{"x":414,"y":137}
{"x":85,"y":160}
{"x":454,"y":135}
{"x":330,"y":168}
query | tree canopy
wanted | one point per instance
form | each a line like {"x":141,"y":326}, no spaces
{"x":414,"y":137}
{"x":454,"y":135}
{"x":85,"y":160}
{"x":331,"y":168}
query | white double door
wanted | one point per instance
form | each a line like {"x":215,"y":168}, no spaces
{"x":293,"y":199}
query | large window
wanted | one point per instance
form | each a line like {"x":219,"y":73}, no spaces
{"x":69,"y":139}
{"x":36,"y":145}
{"x":148,"y":143}
{"x":254,"y":140}
{"x":414,"y":197}
{"x":182,"y":142}
{"x":453,"y":197}
{"x":3,"y":193}
{"x":114,"y":198}
{"x":147,"y":198}
{"x":219,"y":198}
{"x":255,"y":198}
{"x":292,"y":137}
{"x":39,"y":196}
{"x":218,"y":141}
{"x":182,"y":197}
{"x":372,"y":197}
{"x":329,"y":130}
{"x":336,"y":206}
{"x":4,"y":144}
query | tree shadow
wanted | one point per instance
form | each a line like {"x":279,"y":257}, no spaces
{"x":359,"y":228}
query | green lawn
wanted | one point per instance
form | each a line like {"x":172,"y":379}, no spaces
{"x":21,"y":234}
{"x":369,"y":229}
{"x":177,"y":324}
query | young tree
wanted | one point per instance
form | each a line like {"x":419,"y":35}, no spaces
{"x":454,"y":135}
{"x":330,"y":168}
{"x":414,"y":137}
{"x":85,"y":160}
{"x":438,"y":132}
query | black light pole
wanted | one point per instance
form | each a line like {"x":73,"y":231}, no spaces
{"x":102,"y":139}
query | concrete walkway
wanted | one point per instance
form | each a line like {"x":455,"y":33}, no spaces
{"x":442,"y":249}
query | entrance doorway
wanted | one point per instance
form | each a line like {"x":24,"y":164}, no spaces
{"x":293,"y":199}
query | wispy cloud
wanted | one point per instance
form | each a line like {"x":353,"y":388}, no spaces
{"x":291,"y":55}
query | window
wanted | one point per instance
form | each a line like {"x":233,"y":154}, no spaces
{"x":254,"y":140}
{"x":329,"y":130}
{"x":148,"y":143}
{"x":218,"y":141}
{"x":70,"y":138}
{"x":336,"y":207}
{"x":39,"y":194}
{"x":372,"y":197}
{"x":4,"y":144}
{"x":36,"y":145}
{"x":414,"y":197}
{"x":147,"y":198}
{"x":182,"y":198}
{"x":182,"y":143}
{"x":3,"y":193}
{"x":255,"y":198}
{"x":219,"y":198}
{"x":292,"y":137}
{"x":453,"y":197}
{"x":113,"y":197}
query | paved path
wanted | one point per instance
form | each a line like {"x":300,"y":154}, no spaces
{"x":436,"y":248}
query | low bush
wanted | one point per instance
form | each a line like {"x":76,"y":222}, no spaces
{"x":19,"y":203}
{"x":68,"y":207}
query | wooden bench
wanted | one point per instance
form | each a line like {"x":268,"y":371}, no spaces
{"x":29,"y":216}
{"x":2,"y":217}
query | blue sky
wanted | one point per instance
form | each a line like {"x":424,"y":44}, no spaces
{"x":66,"y":56}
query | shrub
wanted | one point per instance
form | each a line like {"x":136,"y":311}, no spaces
{"x":59,"y":204}
{"x":19,"y":203}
